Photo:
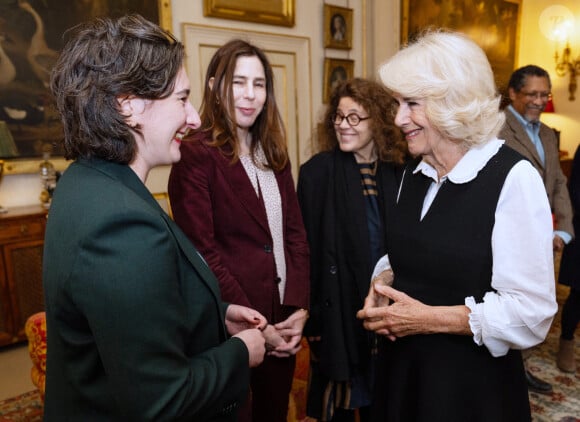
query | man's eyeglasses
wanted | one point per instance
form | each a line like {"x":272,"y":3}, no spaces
{"x":352,"y":119}
{"x":533,"y":95}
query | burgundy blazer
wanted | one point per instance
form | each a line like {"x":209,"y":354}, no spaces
{"x":215,"y":204}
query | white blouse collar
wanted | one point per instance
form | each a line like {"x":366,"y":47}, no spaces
{"x":470,"y":164}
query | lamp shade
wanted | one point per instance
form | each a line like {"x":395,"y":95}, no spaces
{"x":7,"y":145}
{"x":550,"y":106}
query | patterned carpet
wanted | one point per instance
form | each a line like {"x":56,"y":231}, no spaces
{"x":24,"y":408}
{"x":563,"y":405}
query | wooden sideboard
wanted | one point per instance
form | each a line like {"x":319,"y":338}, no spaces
{"x":21,"y":247}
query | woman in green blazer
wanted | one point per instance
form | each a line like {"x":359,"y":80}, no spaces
{"x":136,"y":327}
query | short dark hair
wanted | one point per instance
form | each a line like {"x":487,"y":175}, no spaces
{"x":103,"y":60}
{"x":518,"y":78}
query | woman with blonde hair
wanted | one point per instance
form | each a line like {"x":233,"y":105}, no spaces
{"x":469,"y":242}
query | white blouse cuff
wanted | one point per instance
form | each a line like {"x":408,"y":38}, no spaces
{"x":474,"y":320}
{"x":382,"y":264}
{"x":495,"y":346}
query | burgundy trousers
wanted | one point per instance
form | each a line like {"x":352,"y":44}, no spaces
{"x":270,"y":386}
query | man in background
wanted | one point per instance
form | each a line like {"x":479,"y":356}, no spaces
{"x":529,"y":89}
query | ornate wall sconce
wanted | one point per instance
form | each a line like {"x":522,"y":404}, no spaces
{"x":558,"y":24}
{"x":566,"y":64}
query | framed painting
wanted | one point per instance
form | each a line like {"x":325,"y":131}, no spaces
{"x":335,"y":72}
{"x":337,"y":27}
{"x":492,"y":24}
{"x":271,"y":12}
{"x":31,"y":36}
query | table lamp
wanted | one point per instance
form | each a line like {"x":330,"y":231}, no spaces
{"x":7,"y":149}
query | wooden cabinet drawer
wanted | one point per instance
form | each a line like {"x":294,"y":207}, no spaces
{"x":21,"y":230}
{"x":21,"y":249}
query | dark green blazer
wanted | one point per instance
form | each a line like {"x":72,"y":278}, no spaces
{"x":135,"y":322}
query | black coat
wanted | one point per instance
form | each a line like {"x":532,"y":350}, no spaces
{"x":333,"y":207}
{"x":570,"y":263}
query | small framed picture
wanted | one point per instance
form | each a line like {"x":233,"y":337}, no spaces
{"x":335,"y":71}
{"x":337,"y":27}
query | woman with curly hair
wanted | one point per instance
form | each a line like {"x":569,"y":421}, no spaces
{"x":346,"y":192}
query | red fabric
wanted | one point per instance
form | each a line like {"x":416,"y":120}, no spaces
{"x":35,"y":330}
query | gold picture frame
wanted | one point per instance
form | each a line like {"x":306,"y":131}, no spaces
{"x":165,"y":17}
{"x":270,"y":12}
{"x":34,"y":137}
{"x":337,"y":27}
{"x":494,"y":27}
{"x":335,"y":71}
{"x":163,"y":200}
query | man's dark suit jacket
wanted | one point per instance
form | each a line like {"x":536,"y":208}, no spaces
{"x":135,"y":323}
{"x":554,"y":180}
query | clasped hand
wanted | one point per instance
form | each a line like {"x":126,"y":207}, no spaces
{"x":247,"y":325}
{"x":402,"y":317}
{"x":283,"y":338}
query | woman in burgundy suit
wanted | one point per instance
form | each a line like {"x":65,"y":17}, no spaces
{"x":233,"y":195}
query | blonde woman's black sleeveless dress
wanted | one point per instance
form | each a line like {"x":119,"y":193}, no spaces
{"x":440,"y":260}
